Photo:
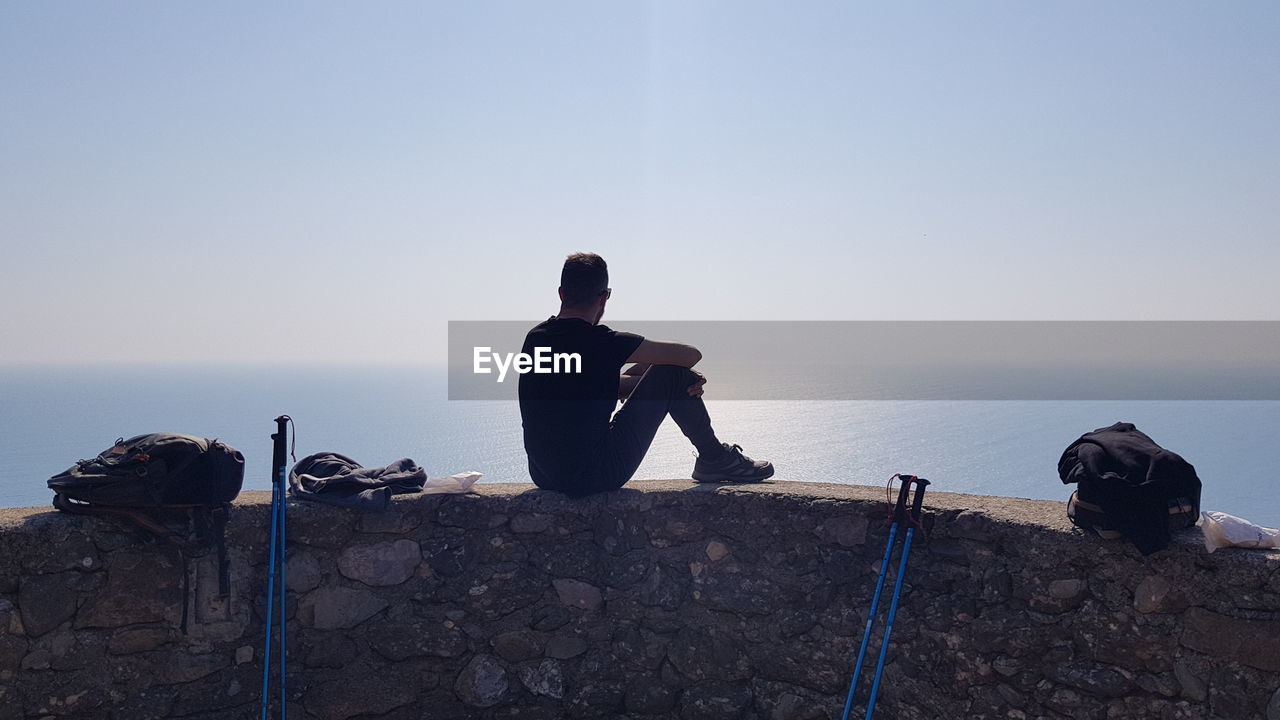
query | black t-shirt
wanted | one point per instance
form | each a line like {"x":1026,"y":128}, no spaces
{"x":566,"y":414}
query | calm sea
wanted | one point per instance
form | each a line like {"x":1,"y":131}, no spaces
{"x":51,"y":417}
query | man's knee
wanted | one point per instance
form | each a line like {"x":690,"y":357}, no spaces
{"x":674,"y":375}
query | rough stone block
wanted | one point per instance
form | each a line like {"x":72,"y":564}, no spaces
{"x":75,"y":551}
{"x":596,"y":700}
{"x":1229,"y":695}
{"x":849,"y":530}
{"x":716,"y":550}
{"x":782,"y":701}
{"x":174,"y":667}
{"x":529,"y":523}
{"x":73,"y":703}
{"x":482,"y":683}
{"x":1192,"y":684}
{"x":1255,"y":643}
{"x":127,"y":641}
{"x":1165,"y":684}
{"x":619,"y":533}
{"x":663,"y":588}
{"x":65,"y":649}
{"x":572,"y":558}
{"x":330,"y":608}
{"x":142,"y":587}
{"x":564,"y":647}
{"x":447,"y":556}
{"x":544,"y":678}
{"x":330,"y":650}
{"x":550,"y":617}
{"x":396,"y":520}
{"x":46,"y":601}
{"x":401,"y":640}
{"x":1057,"y":596}
{"x":366,"y":691}
{"x":626,"y":571}
{"x":1273,"y":707}
{"x":647,"y":696}
{"x":519,"y":645}
{"x":578,"y":594}
{"x":1100,"y":682}
{"x":1156,"y":594}
{"x":1129,"y":647}
{"x":739,"y":593}
{"x":12,"y":650}
{"x":506,"y":592}
{"x":302,"y":572}
{"x":709,"y":655}
{"x":469,"y":512}
{"x":715,"y":701}
{"x":381,"y":564}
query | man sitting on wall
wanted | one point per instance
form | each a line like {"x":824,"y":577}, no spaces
{"x":574,"y":446}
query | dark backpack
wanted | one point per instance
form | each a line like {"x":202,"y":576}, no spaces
{"x":1128,"y":486}
{"x":158,"y":481}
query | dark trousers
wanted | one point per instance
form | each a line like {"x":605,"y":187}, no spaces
{"x":664,"y":390}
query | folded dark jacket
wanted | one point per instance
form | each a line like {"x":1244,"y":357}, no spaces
{"x":1132,"y":479}
{"x":335,"y":479}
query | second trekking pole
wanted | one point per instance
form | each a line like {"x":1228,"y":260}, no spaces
{"x":875,"y":598}
{"x":914,"y":522}
{"x":275,"y":564}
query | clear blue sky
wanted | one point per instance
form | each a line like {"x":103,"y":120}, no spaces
{"x":284,"y":182}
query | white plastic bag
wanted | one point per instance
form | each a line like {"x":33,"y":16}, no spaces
{"x":1223,"y":530}
{"x":456,"y":483}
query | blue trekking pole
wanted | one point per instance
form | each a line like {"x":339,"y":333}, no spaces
{"x":875,"y":599}
{"x":275,"y":564}
{"x":914,"y":521}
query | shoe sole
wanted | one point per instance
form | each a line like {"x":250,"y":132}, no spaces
{"x":718,"y":478}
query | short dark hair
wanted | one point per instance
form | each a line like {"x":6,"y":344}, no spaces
{"x":584,"y":278}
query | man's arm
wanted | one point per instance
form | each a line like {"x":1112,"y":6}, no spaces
{"x":661,"y":352}
{"x":637,"y":369}
{"x":631,"y":378}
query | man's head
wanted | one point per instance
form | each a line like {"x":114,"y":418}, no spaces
{"x":584,"y":286}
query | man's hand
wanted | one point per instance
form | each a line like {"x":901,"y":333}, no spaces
{"x":695,"y":390}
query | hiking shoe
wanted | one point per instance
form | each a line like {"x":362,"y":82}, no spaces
{"x":731,"y":467}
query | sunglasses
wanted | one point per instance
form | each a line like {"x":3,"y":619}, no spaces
{"x":606,"y":293}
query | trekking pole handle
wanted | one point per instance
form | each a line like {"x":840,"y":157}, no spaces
{"x":279,"y":447}
{"x":900,"y":508}
{"x":918,"y":501}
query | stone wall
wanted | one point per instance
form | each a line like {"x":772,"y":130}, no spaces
{"x":663,"y":600}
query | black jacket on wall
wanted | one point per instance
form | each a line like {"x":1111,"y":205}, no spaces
{"x":1133,"y":479}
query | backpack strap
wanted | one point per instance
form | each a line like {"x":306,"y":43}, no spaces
{"x":134,"y":515}
{"x":224,"y":564}
{"x":186,"y":590}
{"x":209,"y":524}
{"x":211,"y":529}
{"x":1090,"y":517}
